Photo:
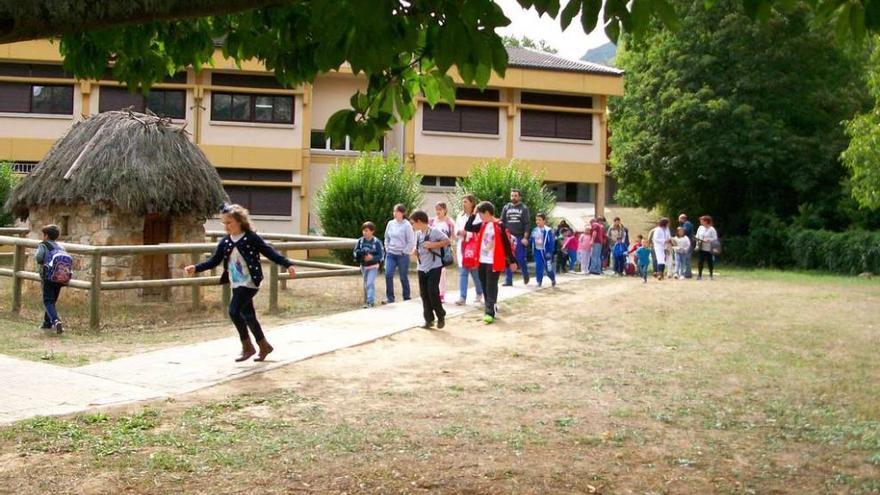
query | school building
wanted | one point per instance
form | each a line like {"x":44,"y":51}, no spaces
{"x":268,"y":144}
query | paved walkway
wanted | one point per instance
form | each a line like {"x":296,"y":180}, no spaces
{"x":39,"y":389}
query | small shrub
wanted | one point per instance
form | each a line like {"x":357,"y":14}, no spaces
{"x":493,"y":180}
{"x":7,"y":183}
{"x":366,"y":188}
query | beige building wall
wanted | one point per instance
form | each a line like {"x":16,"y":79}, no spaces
{"x":331,"y":93}
{"x":460,"y":144}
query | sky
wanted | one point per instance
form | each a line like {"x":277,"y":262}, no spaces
{"x":572,"y":43}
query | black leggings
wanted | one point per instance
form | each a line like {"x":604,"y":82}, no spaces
{"x":243,"y":315}
{"x":706,"y":256}
{"x":489,"y":281}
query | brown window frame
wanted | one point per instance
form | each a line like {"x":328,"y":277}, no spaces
{"x":531,"y":127}
{"x":464,"y":119}
{"x":143,"y":101}
{"x":252,"y":109}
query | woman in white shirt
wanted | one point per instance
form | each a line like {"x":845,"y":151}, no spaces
{"x":468,"y":203}
{"x":706,"y":238}
{"x":660,"y":239}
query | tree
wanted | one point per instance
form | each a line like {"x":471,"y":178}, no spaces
{"x":363,"y":189}
{"x":730,"y":117}
{"x":526,"y":42}
{"x":404,"y":48}
{"x":862,"y":156}
{"x":7,"y":183}
{"x":492,"y":181}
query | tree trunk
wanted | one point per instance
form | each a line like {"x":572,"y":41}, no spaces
{"x":22,"y":20}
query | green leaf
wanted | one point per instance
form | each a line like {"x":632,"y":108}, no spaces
{"x":667,"y":14}
{"x":569,"y":12}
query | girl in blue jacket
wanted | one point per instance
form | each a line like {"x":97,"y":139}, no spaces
{"x":240,"y":251}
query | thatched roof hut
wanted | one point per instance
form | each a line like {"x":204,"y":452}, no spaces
{"x":135,"y":163}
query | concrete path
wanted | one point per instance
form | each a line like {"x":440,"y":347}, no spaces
{"x":39,"y":389}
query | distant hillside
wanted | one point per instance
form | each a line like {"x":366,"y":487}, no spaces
{"x":603,"y":54}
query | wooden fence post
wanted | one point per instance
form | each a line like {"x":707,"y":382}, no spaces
{"x":95,"y":293}
{"x":273,"y":288}
{"x":17,"y":265}
{"x":196,"y":290}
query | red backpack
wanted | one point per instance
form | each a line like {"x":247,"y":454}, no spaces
{"x":470,"y":252}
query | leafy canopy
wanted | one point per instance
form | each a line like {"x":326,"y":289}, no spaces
{"x":862,"y":156}
{"x":404,"y":48}
{"x":730,"y":117}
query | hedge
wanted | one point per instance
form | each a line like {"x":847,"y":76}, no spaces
{"x":849,"y":252}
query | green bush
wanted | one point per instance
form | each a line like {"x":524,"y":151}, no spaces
{"x":362,"y":189}
{"x":7,"y":183}
{"x":850,"y":252}
{"x":493,"y":180}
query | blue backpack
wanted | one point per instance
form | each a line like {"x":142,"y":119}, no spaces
{"x":619,"y":249}
{"x":57,"y":264}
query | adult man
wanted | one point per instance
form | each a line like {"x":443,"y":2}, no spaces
{"x":516,"y":218}
{"x":688,"y":227}
{"x":617,"y":232}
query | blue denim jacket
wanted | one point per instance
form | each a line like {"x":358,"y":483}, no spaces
{"x":250,"y":246}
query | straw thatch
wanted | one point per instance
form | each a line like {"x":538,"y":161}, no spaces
{"x":129,"y":161}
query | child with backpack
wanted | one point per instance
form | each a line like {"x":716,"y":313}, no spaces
{"x":368,"y":253}
{"x":56,"y":268}
{"x":432,"y":247}
{"x":543,"y":248}
{"x":239,"y":251}
{"x":444,"y":224}
{"x":496,"y":253}
{"x":619,"y":252}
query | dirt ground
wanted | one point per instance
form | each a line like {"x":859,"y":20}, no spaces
{"x":759,"y":382}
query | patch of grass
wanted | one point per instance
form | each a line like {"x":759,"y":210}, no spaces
{"x":529,"y":388}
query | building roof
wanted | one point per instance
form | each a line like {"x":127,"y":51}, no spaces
{"x":530,"y":59}
{"x":133,"y":162}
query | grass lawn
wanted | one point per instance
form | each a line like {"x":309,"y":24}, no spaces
{"x":759,"y":382}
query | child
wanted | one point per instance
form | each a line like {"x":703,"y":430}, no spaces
{"x":583,"y":251}
{"x":543,"y":247}
{"x":643,"y":259}
{"x":681,"y":244}
{"x":570,"y":246}
{"x":444,"y":224}
{"x":429,"y":243}
{"x":619,"y":253}
{"x":240,"y":251}
{"x":495,"y":254}
{"x":561,"y":255}
{"x":467,"y":240}
{"x":369,"y":254}
{"x":51,"y":290}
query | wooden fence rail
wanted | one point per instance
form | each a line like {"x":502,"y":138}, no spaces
{"x":283,"y":242}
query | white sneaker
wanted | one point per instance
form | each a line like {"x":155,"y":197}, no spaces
{"x":478,"y":300}
{"x":460,"y":302}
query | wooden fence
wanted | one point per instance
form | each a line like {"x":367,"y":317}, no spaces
{"x":282,"y":242}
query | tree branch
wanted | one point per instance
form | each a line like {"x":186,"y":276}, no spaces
{"x":22,"y":20}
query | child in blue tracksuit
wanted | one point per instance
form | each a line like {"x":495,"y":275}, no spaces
{"x":619,"y":252}
{"x":543,"y":248}
{"x":368,"y":253}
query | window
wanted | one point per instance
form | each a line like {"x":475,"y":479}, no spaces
{"x":438,"y":181}
{"x":255,"y":174}
{"x":262,"y":200}
{"x":320,"y":141}
{"x":466,"y":119}
{"x":23,"y":168}
{"x":550,"y":124}
{"x":35,"y":98}
{"x":162,"y":102}
{"x":241,"y":107}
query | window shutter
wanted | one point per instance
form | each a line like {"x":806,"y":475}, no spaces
{"x":535,"y":123}
{"x":574,"y":126}
{"x":117,"y":98}
{"x":480,"y":120}
{"x":15,"y":97}
{"x":441,"y":118}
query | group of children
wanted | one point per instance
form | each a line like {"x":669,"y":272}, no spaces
{"x":485,"y":248}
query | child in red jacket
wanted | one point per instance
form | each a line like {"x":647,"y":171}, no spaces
{"x":495,"y":253}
